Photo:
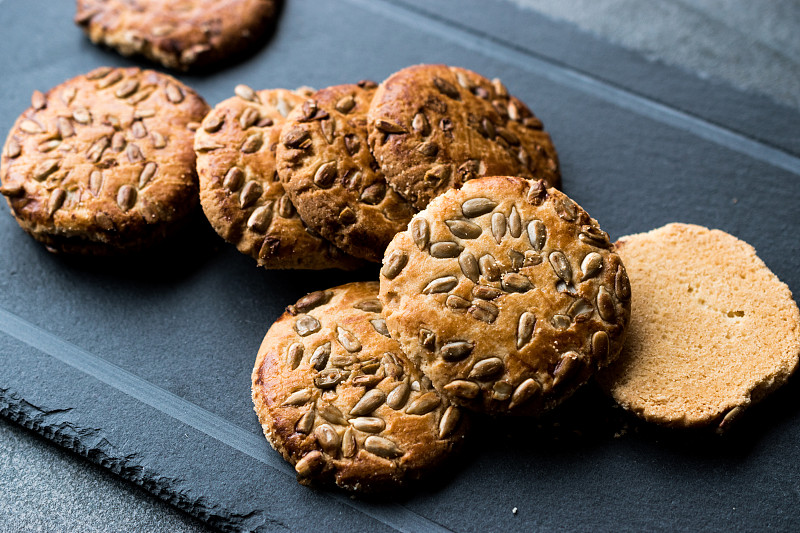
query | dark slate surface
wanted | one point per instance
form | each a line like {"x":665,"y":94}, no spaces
{"x":143,"y":365}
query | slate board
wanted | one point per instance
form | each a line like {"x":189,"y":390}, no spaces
{"x":143,"y":365}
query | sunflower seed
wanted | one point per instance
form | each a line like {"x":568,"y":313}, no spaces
{"x":594,"y":236}
{"x":45,"y":168}
{"x":285,"y":207}
{"x":389,"y":127}
{"x":108,"y":81}
{"x":446,"y":88}
{"x":348,"y":443}
{"x":13,"y":149}
{"x":420,"y":232}
{"x":366,"y":380}
{"x":203,"y":145}
{"x":349,"y":341}
{"x":525,"y":326}
{"x":253,"y":143}
{"x":517,"y":259}
{"x":328,"y":128}
{"x":483,"y":310}
{"x":398,"y":397}
{"x":469,"y":266}
{"x":296,"y":137}
{"x":445,"y":249}
{"x":248,"y":117}
{"x":345,"y":104}
{"x":580,"y":310}
{"x":159,"y":141}
{"x":591,"y":265}
{"x":328,"y":438}
{"x":566,"y":368}
{"x":449,"y":421}
{"x":456,"y":350}
{"x":600,"y":345}
{"x":213,"y":122}
{"x":95,"y":182}
{"x":382,"y":447}
{"x":81,"y":115}
{"x":68,"y":94}
{"x":261,"y":218}
{"x":463,"y":389}
{"x":56,"y":200}
{"x":486,"y":368}
{"x":310,"y":463}
{"x":566,"y":209}
{"x":489,"y":268}
{"x":457,"y":303}
{"x":464,"y":229}
{"x":325,"y":175}
{"x":29,"y":126}
{"x":332,"y":414}
{"x":379,"y":325}
{"x":622,"y":285}
{"x":394,"y":264}
{"x":250,"y":193}
{"x":319,"y":359}
{"x":371,"y":400}
{"x":234,"y":179}
{"x":126,"y":197}
{"x":174,"y":93}
{"x":12,"y":191}
{"x":499,"y":89}
{"x":513,"y":111}
{"x":509,"y":136}
{"x":427,"y":339}
{"x":501,"y":391}
{"x":306,"y":422}
{"x":513,"y":282}
{"x":49,"y":146}
{"x":372,"y":305}
{"x":486,"y":293}
{"x":487,"y":128}
{"x":368,"y":424}
{"x":373,"y":194}
{"x":298,"y":398}
{"x":537,"y":234}
{"x":424,"y":404}
{"x":420,"y":124}
{"x":560,"y":321}
{"x":126,"y":89}
{"x":605,"y":305}
{"x":439,"y":285}
{"x":476,"y":207}
{"x":294,"y":354}
{"x":147,"y":173}
{"x":306,"y":325}
{"x":312,"y":300}
{"x":524,"y":158}
{"x":134,"y":153}
{"x":437,"y":174}
{"x":342,"y":360}
{"x":561,"y":266}
{"x":537,"y":192}
{"x":347,"y":216}
{"x":524,"y":392}
{"x":498,"y":227}
{"x":38,"y":100}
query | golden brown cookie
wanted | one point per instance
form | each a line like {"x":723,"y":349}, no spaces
{"x":433,"y":127}
{"x":326,"y":166}
{"x":104,"y":161}
{"x":239,"y":187}
{"x":339,"y":400}
{"x":178,"y":34}
{"x":713,"y":330}
{"x":506,"y":294}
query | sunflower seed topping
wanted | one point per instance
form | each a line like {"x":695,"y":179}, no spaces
{"x":319,"y":359}
{"x":464,"y":229}
{"x":325,"y":175}
{"x":498,"y":227}
{"x":348,"y":340}
{"x":449,"y":421}
{"x":424,"y":404}
{"x":420,"y":124}
{"x":486,"y":368}
{"x":30,"y":126}
{"x":372,"y":305}
{"x":294,"y":355}
{"x":513,"y":282}
{"x":328,"y":438}
{"x":469,"y":266}
{"x":310,"y":463}
{"x":56,"y":200}
{"x":560,"y":321}
{"x":379,"y":325}
{"x":306,"y":325}
{"x":567,"y":367}
{"x":476,"y":207}
{"x":312,"y":300}
{"x":446,"y":88}
{"x":13,"y":149}
{"x":234,"y":179}
{"x":394,"y":264}
{"x":328,"y":378}
{"x":346,"y":104}
{"x":591,"y":265}
{"x":561,"y":266}
{"x":605,"y":305}
{"x":349,"y":443}
{"x":537,"y":234}
{"x":260,"y":218}
{"x":622,"y":285}
{"x":445,"y":249}
{"x":524,"y":392}
{"x":306,"y":422}
{"x":489,"y":268}
{"x":525,"y":326}
{"x":332,"y":414}
{"x":420,"y":232}
{"x":382,"y":447}
{"x":389,"y":127}
{"x":174,"y":93}
{"x":438,"y":285}
{"x":298,"y":398}
{"x":126,"y":197}
{"x":600,"y":345}
{"x":147,"y":173}
{"x":457,"y":303}
{"x":463,"y":389}
{"x":371,"y":400}
{"x":250,"y":193}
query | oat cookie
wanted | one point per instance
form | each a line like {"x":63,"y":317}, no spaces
{"x":178,"y":34}
{"x":326,"y":166}
{"x":506,"y":294}
{"x":239,"y":187}
{"x":338,"y":399}
{"x":433,"y":127}
{"x":713,"y":330}
{"x":104,"y":161}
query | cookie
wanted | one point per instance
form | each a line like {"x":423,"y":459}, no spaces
{"x":433,"y":127}
{"x":326,"y":166}
{"x":507,"y":294}
{"x":339,"y":400}
{"x":104,"y":162}
{"x":239,"y":188}
{"x":713,"y":330}
{"x":178,"y":34}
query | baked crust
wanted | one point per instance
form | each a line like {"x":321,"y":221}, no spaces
{"x":104,"y":162}
{"x":713,"y":330}
{"x":506,"y":294}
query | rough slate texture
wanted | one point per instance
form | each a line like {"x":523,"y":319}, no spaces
{"x":188,"y":320}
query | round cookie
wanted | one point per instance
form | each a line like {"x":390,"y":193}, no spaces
{"x":178,"y":34}
{"x":433,"y":127}
{"x":326,"y":166}
{"x":104,"y":162}
{"x":339,"y":400}
{"x":239,"y":188}
{"x":506,"y":294}
{"x":713,"y":330}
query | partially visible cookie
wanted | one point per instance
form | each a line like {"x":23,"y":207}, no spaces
{"x":712,"y":331}
{"x":239,"y":188}
{"x":326,"y":166}
{"x":433,"y":127}
{"x":506,"y":294}
{"x":339,"y":400}
{"x":178,"y":34}
{"x":104,"y":161}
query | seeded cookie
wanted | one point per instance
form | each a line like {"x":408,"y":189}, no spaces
{"x":326,"y":166}
{"x":339,"y":400}
{"x":433,"y":127}
{"x":239,"y":187}
{"x":713,"y":330}
{"x":104,"y":162}
{"x":179,"y":34}
{"x":506,"y":294}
